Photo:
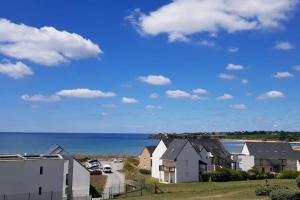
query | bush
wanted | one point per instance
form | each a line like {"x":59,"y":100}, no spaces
{"x":145,"y":171}
{"x":284,"y":194}
{"x":288,"y":174}
{"x":267,"y":189}
{"x":133,"y":160}
{"x":221,"y":175}
{"x":298,"y":181}
{"x":206,"y":176}
{"x":128,"y":167}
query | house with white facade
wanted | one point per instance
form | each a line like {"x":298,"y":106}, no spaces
{"x":156,"y":155}
{"x":39,"y":177}
{"x":267,"y":157}
{"x":181,"y":163}
{"x":206,"y":154}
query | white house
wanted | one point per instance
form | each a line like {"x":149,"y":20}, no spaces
{"x":181,"y":163}
{"x":267,"y":157}
{"x":78,"y":176}
{"x":156,"y":155}
{"x":36,"y":177}
{"x":53,"y":176}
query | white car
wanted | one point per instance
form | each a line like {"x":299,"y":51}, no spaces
{"x":107,"y":169}
{"x":93,"y":163}
{"x":118,"y":161}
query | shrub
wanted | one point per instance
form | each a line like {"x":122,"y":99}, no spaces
{"x":128,"y":167}
{"x":283,"y":194}
{"x":267,"y":189}
{"x":221,"y":175}
{"x":298,"y":181}
{"x":145,"y":171}
{"x":206,"y":176}
{"x":252,"y":174}
{"x":288,"y":174}
{"x":133,"y":160}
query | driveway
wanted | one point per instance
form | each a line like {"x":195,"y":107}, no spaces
{"x":115,"y":183}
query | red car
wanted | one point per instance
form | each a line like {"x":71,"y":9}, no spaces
{"x":96,"y":172}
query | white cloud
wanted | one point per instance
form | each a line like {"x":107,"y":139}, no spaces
{"x":155,"y":80}
{"x":153,"y":107}
{"x":154,"y":95}
{"x":283,"y":75}
{"x":40,"y":98}
{"x":233,"y":49}
{"x":179,"y":94}
{"x":104,"y":114}
{"x":238,"y":107}
{"x":234,"y":67}
{"x":284,"y":45}
{"x":273,"y":94}
{"x":297,"y":68}
{"x":128,"y":100}
{"x":244,"y":81}
{"x":109,"y":105}
{"x":200,"y":91}
{"x":226,"y":76}
{"x":85,"y":93}
{"x":46,"y":45}
{"x":206,"y":43}
{"x":225,"y":97}
{"x":182,"y":18}
{"x":15,"y":70}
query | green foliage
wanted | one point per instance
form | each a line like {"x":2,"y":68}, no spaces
{"x":267,"y":189}
{"x":206,"y":176}
{"x":128,"y":167}
{"x":145,"y":171}
{"x":284,"y":194}
{"x":288,"y":174}
{"x":298,"y":181}
{"x":133,"y":160}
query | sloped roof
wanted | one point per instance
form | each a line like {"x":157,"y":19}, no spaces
{"x":174,"y":149}
{"x":150,"y":149}
{"x":271,"y":150}
{"x":167,"y":141}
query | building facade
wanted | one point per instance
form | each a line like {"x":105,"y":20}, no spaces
{"x":145,"y":158}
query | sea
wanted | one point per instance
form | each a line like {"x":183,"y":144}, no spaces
{"x":85,"y":143}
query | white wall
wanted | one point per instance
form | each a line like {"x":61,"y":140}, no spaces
{"x":23,"y":176}
{"x":245,"y":150}
{"x":156,"y":155}
{"x":244,"y":162}
{"x":81,"y":180}
{"x":298,"y":165}
{"x":187,"y":165}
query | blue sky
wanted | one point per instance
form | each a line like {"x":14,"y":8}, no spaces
{"x":96,"y":64}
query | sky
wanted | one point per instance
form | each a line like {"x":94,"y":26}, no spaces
{"x":147,"y":66}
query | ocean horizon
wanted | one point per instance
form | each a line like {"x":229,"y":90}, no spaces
{"x":84,"y":143}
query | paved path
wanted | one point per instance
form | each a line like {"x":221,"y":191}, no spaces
{"x":115,"y":183}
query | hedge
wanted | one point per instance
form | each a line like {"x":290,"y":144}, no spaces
{"x":298,"y":181}
{"x":284,"y":194}
{"x":288,"y":174}
{"x":267,"y":189}
{"x":145,"y":171}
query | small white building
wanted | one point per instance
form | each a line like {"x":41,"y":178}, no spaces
{"x":181,"y":163}
{"x":53,"y":176}
{"x":156,"y":155}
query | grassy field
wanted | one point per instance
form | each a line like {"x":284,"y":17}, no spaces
{"x":242,"y":190}
{"x":97,"y":184}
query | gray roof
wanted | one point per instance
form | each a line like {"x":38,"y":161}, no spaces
{"x":174,"y":149}
{"x":167,"y":141}
{"x":150,"y":149}
{"x":272,"y":150}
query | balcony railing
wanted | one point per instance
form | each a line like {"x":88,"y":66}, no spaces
{"x":166,"y":168}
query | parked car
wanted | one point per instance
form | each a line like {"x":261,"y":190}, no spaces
{"x":93,"y":163}
{"x":117,"y":161}
{"x":107,"y":169}
{"x":96,"y":172}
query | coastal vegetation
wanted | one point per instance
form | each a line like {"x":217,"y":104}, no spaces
{"x":97,"y":185}
{"x":240,"y":135}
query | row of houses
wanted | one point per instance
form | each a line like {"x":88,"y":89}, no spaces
{"x":183,"y":160}
{"x":56,"y":175}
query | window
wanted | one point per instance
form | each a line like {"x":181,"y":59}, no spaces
{"x":67,"y":179}
{"x":41,"y":170}
{"x":40,"y":190}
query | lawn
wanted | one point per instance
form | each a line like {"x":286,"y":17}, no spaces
{"x":97,"y":185}
{"x":242,"y":190}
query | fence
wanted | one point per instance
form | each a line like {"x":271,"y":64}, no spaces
{"x":40,"y":196}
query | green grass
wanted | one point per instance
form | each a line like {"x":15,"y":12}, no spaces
{"x":97,"y":185}
{"x":242,"y":190}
